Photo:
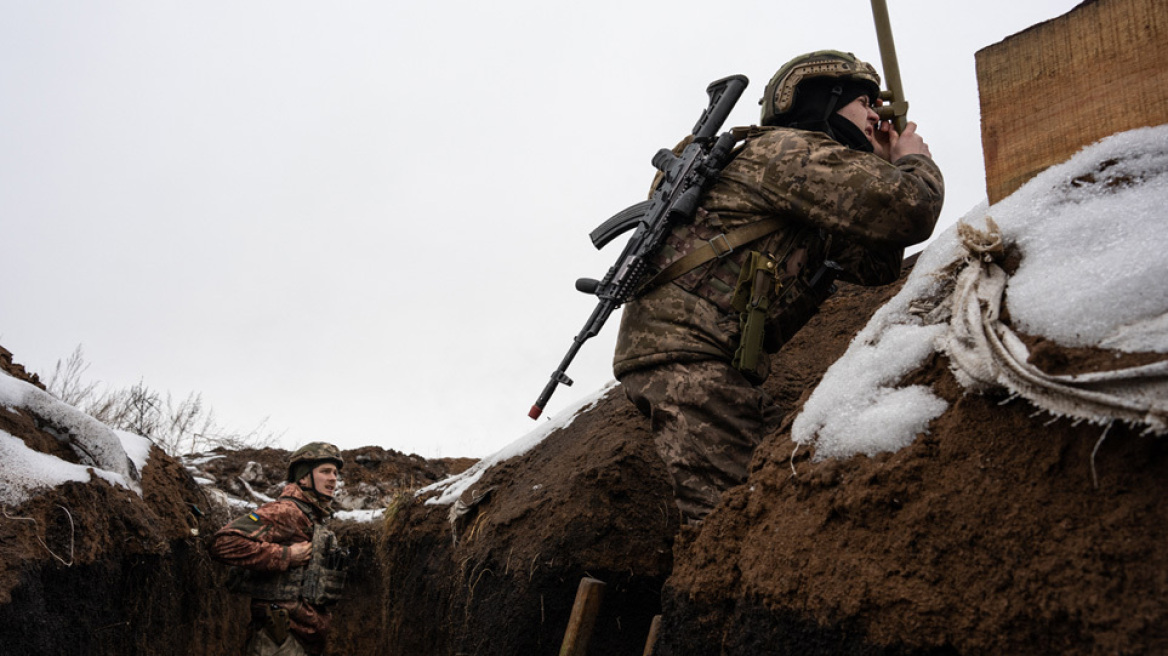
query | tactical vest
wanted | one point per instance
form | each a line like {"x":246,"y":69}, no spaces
{"x":319,"y":583}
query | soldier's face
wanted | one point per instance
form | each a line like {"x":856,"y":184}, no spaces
{"x":860,"y":112}
{"x":324,"y":479}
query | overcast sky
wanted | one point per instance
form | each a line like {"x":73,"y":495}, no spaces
{"x":363,"y":220}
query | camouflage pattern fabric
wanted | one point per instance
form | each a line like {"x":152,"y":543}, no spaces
{"x":678,"y":337}
{"x":870,"y":208}
{"x":706,"y":420}
{"x":808,"y":177}
{"x":260,"y":541}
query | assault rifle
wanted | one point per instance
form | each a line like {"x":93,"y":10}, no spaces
{"x":675,"y":200}
{"x":324,"y":577}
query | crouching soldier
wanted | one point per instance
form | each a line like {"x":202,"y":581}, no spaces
{"x":285,"y":558}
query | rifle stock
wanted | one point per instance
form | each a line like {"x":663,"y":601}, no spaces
{"x":675,"y":200}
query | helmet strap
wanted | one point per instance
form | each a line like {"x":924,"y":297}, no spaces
{"x":833,"y":100}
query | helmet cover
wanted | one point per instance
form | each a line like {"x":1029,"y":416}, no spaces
{"x":782,"y":91}
{"x":311,"y":455}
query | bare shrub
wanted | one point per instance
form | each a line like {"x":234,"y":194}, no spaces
{"x":177,"y":427}
{"x":66,"y":383}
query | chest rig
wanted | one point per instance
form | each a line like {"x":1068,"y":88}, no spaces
{"x":320,"y":582}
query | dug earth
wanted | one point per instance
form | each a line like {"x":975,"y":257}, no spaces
{"x":999,"y":531}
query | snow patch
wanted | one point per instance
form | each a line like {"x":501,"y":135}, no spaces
{"x":359,"y":515}
{"x":115,"y":456}
{"x":95,"y":444}
{"x":28,"y":472}
{"x":452,"y":487}
{"x":1095,"y":254}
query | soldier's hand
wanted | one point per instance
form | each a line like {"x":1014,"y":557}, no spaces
{"x":906,"y":143}
{"x":299,"y":554}
{"x":881,"y":140}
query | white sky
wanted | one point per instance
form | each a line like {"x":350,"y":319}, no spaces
{"x":363,"y":220}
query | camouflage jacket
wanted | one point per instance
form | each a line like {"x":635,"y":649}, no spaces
{"x":831,"y":202}
{"x":260,"y":540}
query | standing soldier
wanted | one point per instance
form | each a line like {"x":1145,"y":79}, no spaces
{"x":823,"y":189}
{"x":285,"y":558}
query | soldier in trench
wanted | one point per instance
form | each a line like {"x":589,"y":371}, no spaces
{"x":822,"y":189}
{"x":286,"y":559}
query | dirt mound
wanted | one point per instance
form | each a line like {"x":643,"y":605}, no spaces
{"x":986,"y":536}
{"x":93,"y":568}
{"x":593,"y":499}
{"x":590,"y":500}
{"x":372,"y":476}
{"x":17,"y":370}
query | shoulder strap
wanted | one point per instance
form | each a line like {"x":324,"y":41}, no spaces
{"x":305,"y":508}
{"x":725,"y":243}
{"x":719,"y":246}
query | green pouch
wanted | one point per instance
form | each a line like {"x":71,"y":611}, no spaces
{"x":799,"y":301}
{"x":757,"y":283}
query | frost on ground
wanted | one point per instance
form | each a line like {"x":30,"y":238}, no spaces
{"x":1094,"y":257}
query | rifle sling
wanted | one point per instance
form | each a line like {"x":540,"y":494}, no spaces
{"x":718,"y":247}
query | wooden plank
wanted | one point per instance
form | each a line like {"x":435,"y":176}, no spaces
{"x":1048,"y":91}
{"x":583,"y":619}
{"x":651,"y":641}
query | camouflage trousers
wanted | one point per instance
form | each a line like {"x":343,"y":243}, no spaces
{"x":706,"y":420}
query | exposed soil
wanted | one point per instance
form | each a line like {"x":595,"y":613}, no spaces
{"x":591,"y":500}
{"x":988,"y":535}
{"x":92,"y":568}
{"x":603,"y":509}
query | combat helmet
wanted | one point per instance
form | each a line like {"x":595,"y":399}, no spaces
{"x":782,"y":91}
{"x":304,"y":459}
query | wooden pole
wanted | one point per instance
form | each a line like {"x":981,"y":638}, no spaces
{"x":654,"y":629}
{"x":583,"y":618}
{"x":889,"y":63}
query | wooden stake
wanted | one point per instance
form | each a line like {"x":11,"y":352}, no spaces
{"x":583,"y":619}
{"x":654,"y":629}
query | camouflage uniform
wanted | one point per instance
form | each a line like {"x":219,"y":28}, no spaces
{"x":677,"y":340}
{"x":260,"y":541}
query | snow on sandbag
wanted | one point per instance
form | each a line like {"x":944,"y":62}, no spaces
{"x":984,"y":351}
{"x":1093,"y":257}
